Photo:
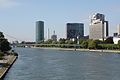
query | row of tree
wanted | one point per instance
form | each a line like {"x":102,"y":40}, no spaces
{"x":61,"y":41}
{"x":87,"y":43}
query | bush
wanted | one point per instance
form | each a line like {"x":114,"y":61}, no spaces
{"x":84,"y":44}
{"x":1,"y":54}
{"x":92,"y":44}
{"x":108,"y":46}
{"x":15,"y":54}
{"x":109,"y":40}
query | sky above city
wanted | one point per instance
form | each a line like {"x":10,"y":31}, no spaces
{"x":18,"y":17}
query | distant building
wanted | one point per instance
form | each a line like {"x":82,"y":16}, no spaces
{"x":98,"y":29}
{"x":39,"y":31}
{"x":116,"y":39}
{"x":118,"y":29}
{"x":115,"y":34}
{"x":54,"y":37}
{"x":74,"y":30}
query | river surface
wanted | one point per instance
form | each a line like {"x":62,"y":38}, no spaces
{"x":49,"y":64}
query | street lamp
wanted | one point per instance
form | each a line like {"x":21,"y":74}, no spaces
{"x":77,"y":39}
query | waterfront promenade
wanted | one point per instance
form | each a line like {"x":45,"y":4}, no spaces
{"x":7,"y":62}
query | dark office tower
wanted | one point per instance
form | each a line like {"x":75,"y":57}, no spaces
{"x":98,"y":29}
{"x":74,"y":30}
{"x":39,"y":31}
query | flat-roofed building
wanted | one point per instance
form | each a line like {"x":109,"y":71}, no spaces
{"x":74,"y":30}
{"x":98,"y":29}
{"x":39,"y":31}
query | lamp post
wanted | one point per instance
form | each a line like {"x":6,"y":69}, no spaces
{"x":77,"y":39}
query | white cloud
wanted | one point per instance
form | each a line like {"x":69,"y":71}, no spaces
{"x":8,"y":3}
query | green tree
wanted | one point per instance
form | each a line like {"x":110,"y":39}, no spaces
{"x":41,"y":42}
{"x":62,"y":41}
{"x":92,"y":44}
{"x":70,"y":42}
{"x":1,"y":35}
{"x":119,"y":44}
{"x":82,"y":40}
{"x":109,"y":40}
{"x":4,"y":44}
{"x":49,"y":41}
{"x":55,"y":42}
{"x":84,"y":44}
{"x":98,"y":41}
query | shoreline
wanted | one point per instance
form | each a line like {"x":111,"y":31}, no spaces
{"x":92,"y":50}
{"x":4,"y":70}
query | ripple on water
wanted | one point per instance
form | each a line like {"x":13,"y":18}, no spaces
{"x":44,"y":64}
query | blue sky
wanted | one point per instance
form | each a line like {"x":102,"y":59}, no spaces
{"x":18,"y":17}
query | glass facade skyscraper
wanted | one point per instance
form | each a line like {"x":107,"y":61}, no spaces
{"x":74,"y":30}
{"x":39,"y":31}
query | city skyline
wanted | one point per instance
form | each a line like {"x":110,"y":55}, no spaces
{"x":18,"y":17}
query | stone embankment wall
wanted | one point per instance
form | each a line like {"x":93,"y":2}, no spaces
{"x":4,"y":69}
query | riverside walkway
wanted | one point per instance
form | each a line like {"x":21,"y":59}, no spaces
{"x":6,"y":64}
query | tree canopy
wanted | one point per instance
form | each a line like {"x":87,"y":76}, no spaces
{"x":4,"y":44}
{"x":62,"y":41}
{"x":92,"y":44}
{"x":84,"y":44}
{"x":109,"y":40}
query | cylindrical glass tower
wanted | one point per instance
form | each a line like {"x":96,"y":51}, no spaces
{"x":39,"y":31}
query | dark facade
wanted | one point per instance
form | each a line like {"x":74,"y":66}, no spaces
{"x":74,"y":30}
{"x":39,"y":31}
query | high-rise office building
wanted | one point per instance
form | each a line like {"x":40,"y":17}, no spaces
{"x":98,"y":29}
{"x":39,"y":31}
{"x":118,"y":29}
{"x":74,"y":30}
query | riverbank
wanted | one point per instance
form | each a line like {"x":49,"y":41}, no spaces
{"x":8,"y":62}
{"x":73,"y":49}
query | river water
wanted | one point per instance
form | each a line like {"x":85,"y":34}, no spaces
{"x":49,"y":64}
